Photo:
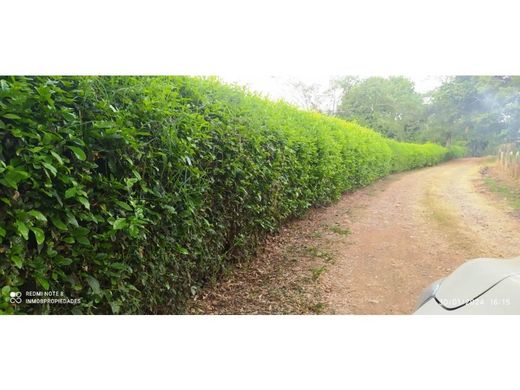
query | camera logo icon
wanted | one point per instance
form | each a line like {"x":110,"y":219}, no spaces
{"x":16,"y":297}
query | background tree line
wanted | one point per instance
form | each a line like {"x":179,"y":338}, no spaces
{"x":478,"y":112}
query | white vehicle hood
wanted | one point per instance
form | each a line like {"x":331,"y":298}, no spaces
{"x":473,"y":279}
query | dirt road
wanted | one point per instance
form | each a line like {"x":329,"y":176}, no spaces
{"x":415,"y":228}
{"x":374,"y":251}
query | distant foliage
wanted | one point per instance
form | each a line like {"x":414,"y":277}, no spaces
{"x":456,"y":151}
{"x":389,"y":106}
{"x":480,"y":112}
{"x":133,"y":192}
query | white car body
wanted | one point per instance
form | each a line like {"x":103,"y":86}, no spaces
{"x":479,"y":286}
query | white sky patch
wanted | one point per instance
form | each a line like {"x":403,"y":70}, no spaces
{"x":279,"y":87}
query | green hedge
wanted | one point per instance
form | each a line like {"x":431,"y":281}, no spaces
{"x":456,"y":151}
{"x":133,"y":192}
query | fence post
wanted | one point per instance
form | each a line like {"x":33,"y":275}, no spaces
{"x":509,"y":159}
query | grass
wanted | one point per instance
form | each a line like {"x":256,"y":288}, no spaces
{"x":316,"y":272}
{"x":316,"y":234}
{"x":314,"y":251}
{"x":509,"y":192}
{"x":318,"y":308}
{"x":339,"y":230}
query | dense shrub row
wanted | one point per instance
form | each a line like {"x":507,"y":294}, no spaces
{"x":133,"y":192}
{"x":456,"y":151}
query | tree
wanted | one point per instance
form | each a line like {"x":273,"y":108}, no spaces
{"x":316,"y":97}
{"x":388,"y":105}
{"x":478,"y":111}
{"x":308,"y":96}
{"x":337,"y":88}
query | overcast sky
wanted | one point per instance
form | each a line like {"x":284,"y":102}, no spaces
{"x":278,"y":87}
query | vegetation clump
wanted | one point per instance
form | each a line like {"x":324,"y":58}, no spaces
{"x":130,"y":193}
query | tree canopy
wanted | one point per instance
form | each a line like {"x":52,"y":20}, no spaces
{"x":479,"y":112}
{"x":388,"y":105}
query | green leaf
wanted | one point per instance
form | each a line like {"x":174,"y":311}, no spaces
{"x":4,"y":85}
{"x":170,"y":209}
{"x":42,"y":282}
{"x":38,"y":233}
{"x":57,"y":157}
{"x":83,"y":240}
{"x":51,"y":168}
{"x":71,"y":192}
{"x":14,"y":176}
{"x":56,"y":221}
{"x":49,"y":138}
{"x":134,"y":231}
{"x":2,"y":232}
{"x":22,"y":229}
{"x":130,"y":182}
{"x":182,"y":250}
{"x":6,"y":290}
{"x":81,"y":231}
{"x":84,"y":202}
{"x":94,"y":284}
{"x":119,"y":224}
{"x":80,"y":154}
{"x":72,"y":219}
{"x":115,"y":307}
{"x":63,"y":261}
{"x":38,"y":215}
{"x":123,"y":205}
{"x":51,"y":252}
{"x":103,"y":124}
{"x":17,"y":260}
{"x":11,"y":116}
{"x":119,"y":266}
{"x":69,"y":240}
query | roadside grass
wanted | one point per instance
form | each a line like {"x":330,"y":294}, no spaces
{"x":284,"y":278}
{"x":314,"y":251}
{"x":508,"y":191}
{"x":339,"y":230}
{"x":317,"y":272}
{"x":316,"y":234}
{"x":318,"y":308}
